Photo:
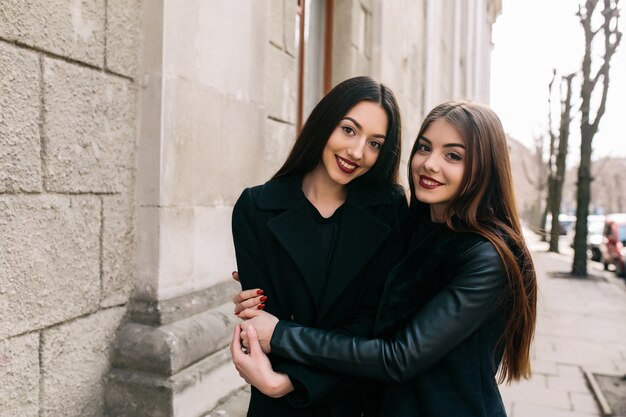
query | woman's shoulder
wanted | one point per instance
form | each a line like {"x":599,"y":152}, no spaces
{"x":481,"y":259}
{"x":276,"y":193}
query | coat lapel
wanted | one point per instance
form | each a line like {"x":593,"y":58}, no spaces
{"x":297,"y":235}
{"x":360,"y":236}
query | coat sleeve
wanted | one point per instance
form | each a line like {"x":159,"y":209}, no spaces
{"x":250,"y":263}
{"x":441,"y":325}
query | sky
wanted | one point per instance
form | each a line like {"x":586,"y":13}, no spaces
{"x":531,"y":38}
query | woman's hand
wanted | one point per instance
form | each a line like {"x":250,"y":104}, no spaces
{"x":264,"y":324}
{"x":248,"y":299}
{"x":255,"y":367}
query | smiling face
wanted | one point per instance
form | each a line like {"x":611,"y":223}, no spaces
{"x":355,"y":144}
{"x":438,"y":166}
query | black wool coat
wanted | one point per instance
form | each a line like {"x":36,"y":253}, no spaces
{"x":277,"y":250}
{"x":441,"y":315}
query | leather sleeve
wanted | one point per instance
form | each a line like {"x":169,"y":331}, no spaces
{"x":441,"y":325}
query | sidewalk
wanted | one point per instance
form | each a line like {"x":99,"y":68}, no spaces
{"x":581,"y":325}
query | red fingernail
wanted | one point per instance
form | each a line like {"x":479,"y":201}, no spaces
{"x":259,"y":292}
{"x":263,"y":298}
{"x":237,"y":313}
{"x":261,"y":306}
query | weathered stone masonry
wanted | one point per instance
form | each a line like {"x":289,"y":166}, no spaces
{"x":68,"y":123}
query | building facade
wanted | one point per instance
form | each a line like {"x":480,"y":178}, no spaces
{"x":128,"y":130}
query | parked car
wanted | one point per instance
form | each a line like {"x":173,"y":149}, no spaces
{"x":565,"y":223}
{"x":613,"y":247}
{"x":595,"y":229}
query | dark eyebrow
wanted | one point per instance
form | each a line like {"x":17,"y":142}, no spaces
{"x":447,"y":145}
{"x":358,"y":125}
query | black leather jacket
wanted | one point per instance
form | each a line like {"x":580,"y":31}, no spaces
{"x":445,"y":356}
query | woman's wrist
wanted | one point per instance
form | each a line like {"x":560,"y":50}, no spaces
{"x":279,"y":385}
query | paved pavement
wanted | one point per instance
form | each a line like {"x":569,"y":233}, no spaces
{"x":581,"y":326}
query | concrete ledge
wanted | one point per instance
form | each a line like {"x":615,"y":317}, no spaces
{"x":159,"y":312}
{"x":168,"y":349}
{"x":142,"y":394}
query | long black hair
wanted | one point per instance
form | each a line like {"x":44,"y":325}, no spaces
{"x":307,"y":150}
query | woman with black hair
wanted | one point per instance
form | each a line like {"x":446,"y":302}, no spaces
{"x":320,"y":237}
{"x":457,"y":310}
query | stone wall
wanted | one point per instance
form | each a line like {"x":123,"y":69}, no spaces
{"x":68,"y":94}
{"x":217,"y":115}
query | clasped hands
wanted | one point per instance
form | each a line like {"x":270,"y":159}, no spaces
{"x":251,"y":342}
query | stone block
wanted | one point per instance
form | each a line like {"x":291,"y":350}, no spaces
{"x":75,"y":362}
{"x":279,"y":140}
{"x":244,"y":128}
{"x":291,"y":10}
{"x":211,"y":147}
{"x":90,"y":131}
{"x":20,"y":150}
{"x":70,"y":28}
{"x":276,"y":23}
{"x":282,"y":85}
{"x":123,"y":36}
{"x":149,"y":147}
{"x":192,"y":160}
{"x":148,"y":253}
{"x":196,"y":249}
{"x":118,"y":249}
{"x":49,"y":262}
{"x":19,"y":373}
{"x":227,"y":57}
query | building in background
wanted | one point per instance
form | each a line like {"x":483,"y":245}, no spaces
{"x":128,"y":130}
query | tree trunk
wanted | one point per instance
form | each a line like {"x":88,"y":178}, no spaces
{"x":583,"y":198}
{"x":588,"y":127}
{"x":561,"y":155}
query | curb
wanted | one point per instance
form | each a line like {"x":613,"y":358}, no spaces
{"x":605,"y":408}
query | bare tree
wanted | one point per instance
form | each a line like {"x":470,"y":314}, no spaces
{"x":611,"y":36}
{"x":551,"y":160}
{"x":558,"y":177}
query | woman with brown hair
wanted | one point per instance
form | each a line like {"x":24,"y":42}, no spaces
{"x":458,"y":308}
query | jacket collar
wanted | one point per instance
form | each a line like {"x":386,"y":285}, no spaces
{"x":360,"y":235}
{"x":284,"y":193}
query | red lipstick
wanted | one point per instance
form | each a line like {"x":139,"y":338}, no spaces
{"x":343,"y":163}
{"x":429,"y":183}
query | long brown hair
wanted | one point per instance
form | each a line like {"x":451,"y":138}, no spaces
{"x":324,"y":118}
{"x":485,"y":204}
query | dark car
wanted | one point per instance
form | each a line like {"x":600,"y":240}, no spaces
{"x":614,"y":242}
